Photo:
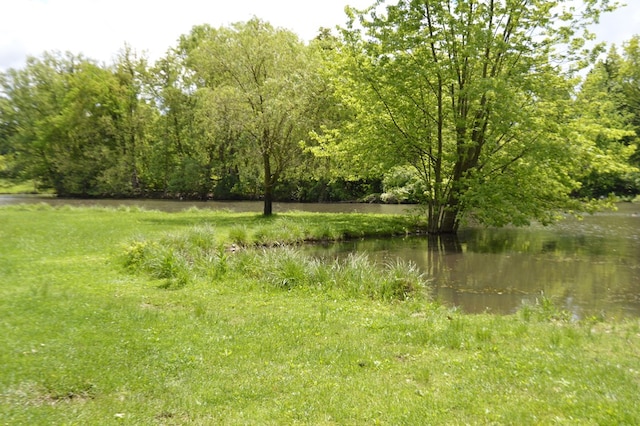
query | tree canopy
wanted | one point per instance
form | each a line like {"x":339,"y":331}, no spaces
{"x":471,"y":94}
{"x":259,"y":84}
{"x":475,"y":108}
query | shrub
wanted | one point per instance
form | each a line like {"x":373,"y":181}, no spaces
{"x":403,"y":184}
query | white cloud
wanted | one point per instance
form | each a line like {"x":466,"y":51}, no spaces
{"x":100,"y":28}
{"x":621,"y":25}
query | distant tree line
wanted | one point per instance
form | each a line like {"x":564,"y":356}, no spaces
{"x":476,"y":111}
{"x":226,"y":114}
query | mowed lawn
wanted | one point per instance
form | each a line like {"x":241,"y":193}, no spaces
{"x":139,"y":317}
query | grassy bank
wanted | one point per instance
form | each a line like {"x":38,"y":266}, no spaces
{"x":136,"y":317}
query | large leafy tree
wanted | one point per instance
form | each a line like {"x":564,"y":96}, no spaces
{"x":258,"y":81}
{"x":29,"y":98}
{"x":175,"y":129}
{"x":475,"y":95}
{"x":133,"y":115}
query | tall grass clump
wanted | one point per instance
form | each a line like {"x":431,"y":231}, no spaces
{"x":178,"y":258}
{"x":404,"y":279}
{"x":239,"y":235}
{"x":358,"y":275}
{"x":354,"y":277}
{"x":543,"y":310}
{"x":159,"y":262}
{"x":284,"y":268}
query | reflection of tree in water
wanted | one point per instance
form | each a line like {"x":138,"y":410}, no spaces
{"x":442,"y":256}
{"x":496,"y":270}
{"x":446,"y":243}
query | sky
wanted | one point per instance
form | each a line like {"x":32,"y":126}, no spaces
{"x":99,"y":29}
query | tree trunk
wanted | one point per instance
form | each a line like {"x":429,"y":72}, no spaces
{"x":449,"y":221}
{"x":268,"y":185}
{"x":443,"y":219}
{"x":268,"y":201}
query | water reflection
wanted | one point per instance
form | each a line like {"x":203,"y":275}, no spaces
{"x":589,"y":267}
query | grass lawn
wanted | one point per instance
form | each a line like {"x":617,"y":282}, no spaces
{"x":146,"y":318}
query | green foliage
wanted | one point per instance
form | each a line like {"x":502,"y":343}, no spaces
{"x":629,"y":85}
{"x":190,"y":179}
{"x":14,"y":186}
{"x":80,"y":125}
{"x":326,"y":190}
{"x":403,"y":185}
{"x":259,"y":89}
{"x":171,"y":130}
{"x":471,"y":98}
{"x":606,"y":119}
{"x":463,"y":108}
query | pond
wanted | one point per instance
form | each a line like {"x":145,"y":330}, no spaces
{"x":590,"y":267}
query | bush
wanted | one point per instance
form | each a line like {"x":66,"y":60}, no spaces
{"x":403,"y":184}
{"x":597,"y":185}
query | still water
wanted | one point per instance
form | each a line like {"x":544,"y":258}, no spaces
{"x":589,"y":267}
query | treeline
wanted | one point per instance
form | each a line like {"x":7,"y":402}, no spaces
{"x":462,"y":110}
{"x":226,"y":114}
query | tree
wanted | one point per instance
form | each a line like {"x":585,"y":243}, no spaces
{"x":475,"y":95}
{"x":603,"y":117}
{"x":262,"y":76}
{"x":76,"y":126}
{"x":629,"y":81}
{"x":134,"y":115}
{"x":57,"y":105}
{"x":175,"y":127}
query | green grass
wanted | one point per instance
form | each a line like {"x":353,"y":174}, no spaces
{"x":147,"y":318}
